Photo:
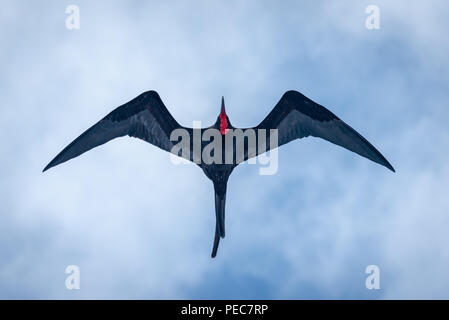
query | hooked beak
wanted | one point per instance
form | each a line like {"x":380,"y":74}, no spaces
{"x":223,"y":111}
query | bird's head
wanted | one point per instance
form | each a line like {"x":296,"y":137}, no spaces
{"x":223,"y":121}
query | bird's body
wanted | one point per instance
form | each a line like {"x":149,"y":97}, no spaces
{"x":216,"y":149}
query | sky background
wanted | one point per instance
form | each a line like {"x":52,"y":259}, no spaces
{"x":140,"y":227}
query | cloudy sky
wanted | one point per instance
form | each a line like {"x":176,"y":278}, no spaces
{"x":139,"y":227}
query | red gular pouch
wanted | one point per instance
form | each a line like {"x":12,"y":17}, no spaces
{"x":223,"y":119}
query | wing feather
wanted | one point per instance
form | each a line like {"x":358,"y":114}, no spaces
{"x":145,"y":117}
{"x":296,"y":116}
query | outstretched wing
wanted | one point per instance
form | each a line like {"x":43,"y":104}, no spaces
{"x":145,"y":117}
{"x":296,"y":116}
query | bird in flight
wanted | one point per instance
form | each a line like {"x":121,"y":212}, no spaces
{"x":294,"y":117}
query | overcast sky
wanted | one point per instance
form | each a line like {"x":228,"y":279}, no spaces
{"x":139,"y":227}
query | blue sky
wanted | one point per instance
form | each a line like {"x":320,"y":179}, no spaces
{"x":139,"y":227}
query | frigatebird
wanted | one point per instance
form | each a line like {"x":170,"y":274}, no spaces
{"x":294,"y":117}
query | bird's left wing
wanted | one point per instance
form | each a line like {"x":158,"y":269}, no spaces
{"x":144,"y":117}
{"x":295,"y":116}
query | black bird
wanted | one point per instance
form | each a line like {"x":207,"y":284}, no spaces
{"x":294,"y":116}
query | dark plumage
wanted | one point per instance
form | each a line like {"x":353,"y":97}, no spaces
{"x":294,"y":116}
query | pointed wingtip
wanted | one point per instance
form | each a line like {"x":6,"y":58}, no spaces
{"x":384,"y":163}
{"x":50,"y":165}
{"x":387,"y":165}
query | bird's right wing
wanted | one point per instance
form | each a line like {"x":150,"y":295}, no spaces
{"x":144,"y":117}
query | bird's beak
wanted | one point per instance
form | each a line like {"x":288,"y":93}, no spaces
{"x":223,"y":111}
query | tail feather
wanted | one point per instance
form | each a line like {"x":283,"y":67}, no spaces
{"x":216,"y":242}
{"x":220,"y":202}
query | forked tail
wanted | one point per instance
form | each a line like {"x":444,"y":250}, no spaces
{"x":220,"y":202}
